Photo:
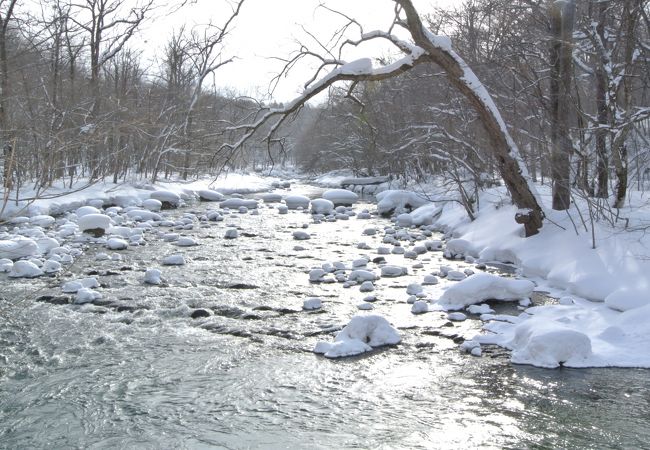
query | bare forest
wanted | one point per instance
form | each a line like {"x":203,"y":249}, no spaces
{"x":80,"y":101}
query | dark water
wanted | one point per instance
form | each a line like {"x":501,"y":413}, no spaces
{"x":139,"y":372}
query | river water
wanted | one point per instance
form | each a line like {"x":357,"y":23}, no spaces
{"x":137,"y":371}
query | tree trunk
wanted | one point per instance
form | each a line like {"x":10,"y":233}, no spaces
{"x":562,"y":17}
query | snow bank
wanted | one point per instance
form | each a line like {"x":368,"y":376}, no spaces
{"x":18,"y":247}
{"x":484,"y":286}
{"x":360,"y":335}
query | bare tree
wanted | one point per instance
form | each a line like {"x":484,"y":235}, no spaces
{"x":7,"y":8}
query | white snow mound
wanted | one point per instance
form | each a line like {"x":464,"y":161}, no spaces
{"x":360,"y":335}
{"x":484,"y":286}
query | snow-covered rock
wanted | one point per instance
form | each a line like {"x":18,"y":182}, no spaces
{"x":236,"y":203}
{"x":174,"y":260}
{"x":483,"y":308}
{"x":18,"y":247}
{"x":93,"y":222}
{"x":272,"y":197}
{"x":393,"y":271}
{"x":143,"y":215}
{"x":167,"y":197}
{"x":51,"y":266}
{"x":42,"y":220}
{"x":430,"y":280}
{"x":151,"y":204}
{"x":545,"y":343}
{"x":25,"y":269}
{"x":360,"y":335}
{"x":296,"y":201}
{"x":186,"y":241}
{"x":484,"y":286}
{"x":626,"y":298}
{"x":74,"y":285}
{"x":397,"y":201}
{"x":86,"y":295}
{"x":367,"y":286}
{"x":231,"y":233}
{"x":85,"y":210}
{"x":153,"y":276}
{"x":414,"y":289}
{"x":312,"y":303}
{"x":322,"y":206}
{"x":456,"y":275}
{"x":341,"y":197}
{"x":456,"y":316}
{"x":300,"y":235}
{"x":209,"y":195}
{"x":5,"y":265}
{"x":116,"y":243}
{"x":425,"y":214}
{"x":420,"y":307}
{"x":362,"y":275}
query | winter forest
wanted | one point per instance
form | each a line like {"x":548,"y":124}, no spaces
{"x":390,"y":243}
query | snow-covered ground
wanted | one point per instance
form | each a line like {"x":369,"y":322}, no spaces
{"x":601,"y":319}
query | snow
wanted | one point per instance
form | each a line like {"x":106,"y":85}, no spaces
{"x":86,"y":295}
{"x":210,"y":195}
{"x":341,"y":197}
{"x":398,"y":201}
{"x":236,"y":203}
{"x":361,"y":334}
{"x":300,"y":235}
{"x":25,"y":269}
{"x":18,"y":247}
{"x":484,"y":286}
{"x":628,"y":298}
{"x":152,"y":204}
{"x":296,"y":201}
{"x":116,"y":243}
{"x":362,"y":275}
{"x":322,"y":206}
{"x":166,"y":197}
{"x":420,"y":307}
{"x":173,"y":260}
{"x":312,"y":303}
{"x":153,"y":276}
{"x":393,"y":271}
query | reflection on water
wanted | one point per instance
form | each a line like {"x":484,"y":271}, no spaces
{"x":138,"y":371}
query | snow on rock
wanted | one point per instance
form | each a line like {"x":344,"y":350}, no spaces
{"x":174,"y":260}
{"x":209,"y":195}
{"x":363,"y":306}
{"x":456,"y":275}
{"x":272,"y":198}
{"x":18,"y":247}
{"x":85,"y":210}
{"x":459,"y":248}
{"x":430,"y":280}
{"x":425,"y":214}
{"x":236,"y":203}
{"x":483,"y":308}
{"x":341,"y":197}
{"x":186,"y":241}
{"x":25,"y":269}
{"x":151,"y":204}
{"x":456,"y":316}
{"x":5,"y":265}
{"x":484,"y":286}
{"x":393,"y":271}
{"x":362,"y":275}
{"x":316,"y":275}
{"x":231,"y":233}
{"x":420,"y":307}
{"x":414,"y":289}
{"x":300,"y":235}
{"x":296,"y":201}
{"x":625,"y":298}
{"x":167,"y":197}
{"x":283,"y":209}
{"x":47,"y":244}
{"x":322,"y":206}
{"x":404,"y":220}
{"x":41,"y":220}
{"x":86,"y":295}
{"x":51,"y":266}
{"x":116,"y":243}
{"x":312,"y":303}
{"x":74,"y":285}
{"x":367,"y":286}
{"x":153,"y":276}
{"x":549,"y":344}
{"x":360,"y":335}
{"x":398,"y":201}
{"x":143,"y":215}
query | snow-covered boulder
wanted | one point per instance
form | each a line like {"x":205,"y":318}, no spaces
{"x":459,"y":248}
{"x":86,"y":295}
{"x":25,"y":269}
{"x":74,"y":285}
{"x":312,"y":303}
{"x":18,"y":247}
{"x":209,"y":195}
{"x":398,"y":201}
{"x":404,"y":220}
{"x":85,"y":210}
{"x":341,"y":197}
{"x":425,"y":214}
{"x":548,"y":343}
{"x":414,"y":289}
{"x":151,"y":204}
{"x":296,"y":201}
{"x":231,"y":233}
{"x":626,"y":298}
{"x":116,"y":243}
{"x":300,"y":235}
{"x":143,"y":215}
{"x":322,"y":206}
{"x":393,"y":271}
{"x":484,"y":286}
{"x":98,"y":223}
{"x":186,"y":241}
{"x":5,"y":265}
{"x":169,"y":199}
{"x":42,"y":220}
{"x":236,"y":203}
{"x":173,"y":260}
{"x":272,"y":197}
{"x":360,"y":335}
{"x":51,"y":266}
{"x":420,"y":307}
{"x":362,"y":275}
{"x":153,"y":276}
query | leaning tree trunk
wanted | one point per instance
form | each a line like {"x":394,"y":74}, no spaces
{"x":509,"y":162}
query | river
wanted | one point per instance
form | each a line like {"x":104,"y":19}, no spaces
{"x":136,"y":370}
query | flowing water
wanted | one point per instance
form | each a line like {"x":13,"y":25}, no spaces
{"x":136,"y":370}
